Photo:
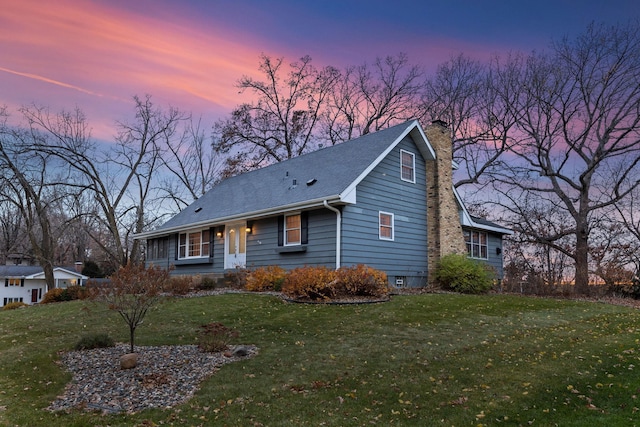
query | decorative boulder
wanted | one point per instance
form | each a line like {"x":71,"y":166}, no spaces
{"x":128,"y":361}
{"x":240,"y":351}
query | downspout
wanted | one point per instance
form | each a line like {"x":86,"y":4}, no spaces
{"x":338,"y":231}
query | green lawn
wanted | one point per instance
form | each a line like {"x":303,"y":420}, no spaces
{"x":433,"y":359}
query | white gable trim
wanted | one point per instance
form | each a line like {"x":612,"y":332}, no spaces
{"x":467,"y":221}
{"x":59,"y":273}
{"x":421,"y":141}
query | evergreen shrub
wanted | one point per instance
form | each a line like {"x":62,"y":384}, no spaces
{"x":462,"y":274}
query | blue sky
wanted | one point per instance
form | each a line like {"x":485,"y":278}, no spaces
{"x":97,"y":54}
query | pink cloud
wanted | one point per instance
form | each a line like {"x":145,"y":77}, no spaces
{"x":100,"y":51}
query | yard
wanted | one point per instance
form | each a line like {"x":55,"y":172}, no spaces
{"x":431,"y":359}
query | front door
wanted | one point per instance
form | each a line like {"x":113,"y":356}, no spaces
{"x":34,"y":295}
{"x":235,"y":244}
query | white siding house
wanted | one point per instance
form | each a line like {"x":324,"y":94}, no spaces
{"x":25,"y":283}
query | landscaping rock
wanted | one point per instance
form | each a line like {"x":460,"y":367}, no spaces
{"x":240,"y":351}
{"x":128,"y":361}
{"x":165,"y":376}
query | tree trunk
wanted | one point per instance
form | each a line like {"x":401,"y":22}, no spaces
{"x":581,"y":258}
{"x":132,"y":331}
{"x":49,"y":278}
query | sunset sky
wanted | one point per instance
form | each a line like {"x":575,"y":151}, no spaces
{"x":97,"y":54}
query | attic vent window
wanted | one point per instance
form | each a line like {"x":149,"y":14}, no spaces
{"x":311,"y":182}
{"x":198,"y":209}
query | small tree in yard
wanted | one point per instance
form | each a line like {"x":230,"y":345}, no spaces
{"x":134,"y":289}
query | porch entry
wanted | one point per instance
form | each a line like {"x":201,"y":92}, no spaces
{"x":235,"y":245}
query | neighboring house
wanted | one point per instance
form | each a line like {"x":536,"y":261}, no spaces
{"x":385,"y":199}
{"x":26,"y":283}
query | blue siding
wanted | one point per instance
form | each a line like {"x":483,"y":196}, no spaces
{"x":263,"y":249}
{"x":383,"y":190}
{"x":495,"y":259}
{"x":494,"y":256}
{"x":192,"y":267}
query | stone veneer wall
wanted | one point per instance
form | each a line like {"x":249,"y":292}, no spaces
{"x":443,"y":220}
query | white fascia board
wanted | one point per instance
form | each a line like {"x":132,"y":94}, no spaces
{"x":426,"y":149}
{"x":420,"y":140}
{"x":71,"y":273}
{"x":243,"y":216}
{"x":64,"y":271}
{"x":349,"y":196}
{"x":467,"y":221}
{"x":465,"y":218}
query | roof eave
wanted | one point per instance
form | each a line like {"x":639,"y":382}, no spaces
{"x":263,"y":213}
{"x":467,"y":220}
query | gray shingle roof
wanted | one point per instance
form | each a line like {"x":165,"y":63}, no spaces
{"x":483,"y":223}
{"x":19,"y":270}
{"x":284,"y":185}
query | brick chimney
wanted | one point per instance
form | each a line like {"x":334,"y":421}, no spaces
{"x":443,"y":220}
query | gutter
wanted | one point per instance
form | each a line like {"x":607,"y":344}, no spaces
{"x":338,"y":231}
{"x":242,"y":216}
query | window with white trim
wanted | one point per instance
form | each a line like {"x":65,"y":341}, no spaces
{"x":477,"y":246}
{"x":407,"y":166}
{"x":194,"y":244}
{"x":385,"y":225}
{"x":292,"y":229}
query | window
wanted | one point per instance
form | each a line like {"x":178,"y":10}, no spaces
{"x":10,"y":300}
{"x":385,"y":222}
{"x":292,"y":229}
{"x":194,"y":244}
{"x":161,"y":246}
{"x":13,"y":281}
{"x":157,"y":248}
{"x":476,"y":244}
{"x":407,"y":166}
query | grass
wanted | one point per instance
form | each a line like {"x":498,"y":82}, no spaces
{"x":450,"y":360}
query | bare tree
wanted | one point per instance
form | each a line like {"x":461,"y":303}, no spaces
{"x":281,"y":122}
{"x":138,"y":148}
{"x":579,"y":122}
{"x":118,"y":179}
{"x":477,"y":103}
{"x":13,"y":236}
{"x":30,"y":182}
{"x":193,"y":165}
{"x":628,"y":217}
{"x":613,"y":253}
{"x":368,"y":98}
{"x":534,"y":218}
{"x":133,"y":290}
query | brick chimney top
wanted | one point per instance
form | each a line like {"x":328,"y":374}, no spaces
{"x":440,"y":123}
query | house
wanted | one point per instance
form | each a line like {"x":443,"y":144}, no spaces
{"x":385,"y":199}
{"x":26,"y":283}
